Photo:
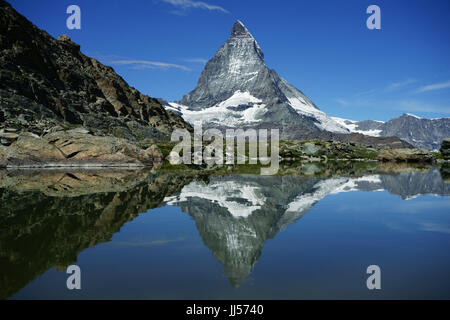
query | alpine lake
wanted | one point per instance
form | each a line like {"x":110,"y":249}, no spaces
{"x":309,"y":232}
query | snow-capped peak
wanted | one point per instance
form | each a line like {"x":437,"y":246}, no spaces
{"x":239,"y":30}
{"x":412,"y":115}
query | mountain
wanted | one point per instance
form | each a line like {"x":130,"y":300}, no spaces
{"x":45,"y":81}
{"x":422,"y":133}
{"x":237,"y":90}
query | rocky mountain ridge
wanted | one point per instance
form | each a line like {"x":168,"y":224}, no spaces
{"x":422,"y":133}
{"x":46,"y":81}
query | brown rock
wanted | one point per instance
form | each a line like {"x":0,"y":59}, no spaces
{"x":64,"y":37}
{"x":154,"y":152}
{"x":9,"y":136}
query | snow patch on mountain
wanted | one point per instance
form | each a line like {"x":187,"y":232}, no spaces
{"x":412,"y":115}
{"x":324,"y":122}
{"x":352,"y":126}
{"x":240,"y":108}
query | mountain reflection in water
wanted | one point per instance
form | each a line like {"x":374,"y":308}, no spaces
{"x":48,"y":217}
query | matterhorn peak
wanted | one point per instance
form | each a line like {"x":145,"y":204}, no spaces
{"x":239,"y":30}
{"x":237,"y":90}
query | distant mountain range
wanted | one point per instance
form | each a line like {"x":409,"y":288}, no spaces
{"x":237,"y":90}
{"x":421,"y":133}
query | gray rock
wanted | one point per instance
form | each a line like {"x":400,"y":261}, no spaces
{"x":5,"y":142}
{"x":79,"y":130}
{"x":420,"y":132}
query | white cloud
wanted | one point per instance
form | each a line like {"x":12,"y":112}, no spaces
{"x":434,"y":227}
{"x":342,"y":102}
{"x":435,"y":86}
{"x":399,"y":85}
{"x":144,"y":64}
{"x":186,"y":4}
{"x":196,"y":60}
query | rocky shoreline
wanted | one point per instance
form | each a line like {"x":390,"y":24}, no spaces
{"x":80,"y":148}
{"x":73,"y":148}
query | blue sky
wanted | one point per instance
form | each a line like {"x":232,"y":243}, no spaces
{"x":322,"y":47}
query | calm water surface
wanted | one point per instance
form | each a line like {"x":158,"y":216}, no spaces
{"x":166,"y":236}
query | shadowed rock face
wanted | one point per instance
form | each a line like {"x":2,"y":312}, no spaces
{"x":48,"y":217}
{"x":44,"y":81}
{"x":445,"y":148}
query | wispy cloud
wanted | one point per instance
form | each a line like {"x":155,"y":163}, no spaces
{"x":413,"y":105}
{"x":188,"y":4}
{"x":383,"y":98}
{"x":145,"y":64}
{"x":343,"y":102}
{"x":404,"y":105}
{"x":195,"y":60}
{"x":434,"y":227}
{"x":399,"y":85}
{"x":435,"y":86}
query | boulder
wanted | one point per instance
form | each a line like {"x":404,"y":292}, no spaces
{"x":5,"y":142}
{"x":9,"y":136}
{"x":72,"y":149}
{"x":64,"y":37}
{"x":154,"y":152}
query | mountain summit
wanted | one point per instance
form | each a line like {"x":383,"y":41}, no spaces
{"x":237,"y":90}
{"x":239,"y":30}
